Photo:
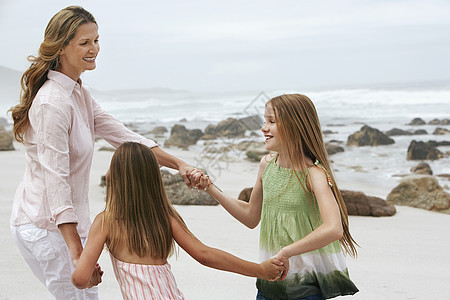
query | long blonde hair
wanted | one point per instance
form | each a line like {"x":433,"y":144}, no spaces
{"x":301,"y":136}
{"x":60,"y":30}
{"x":137,"y":210}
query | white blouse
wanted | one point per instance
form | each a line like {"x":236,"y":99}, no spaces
{"x":59,"y":145}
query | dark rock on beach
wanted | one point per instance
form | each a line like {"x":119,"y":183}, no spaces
{"x":441,"y":131}
{"x":422,"y":168}
{"x":423,"y":151}
{"x":333,"y":149}
{"x":417,"y":121}
{"x":232,"y":127}
{"x":358,"y":204}
{"x":397,"y":132}
{"x":178,"y":193}
{"x":182,"y":137}
{"x":369,"y":136}
{"x":421,"y":191}
{"x":6,"y":140}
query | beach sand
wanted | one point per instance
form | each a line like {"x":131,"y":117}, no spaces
{"x":401,"y":257}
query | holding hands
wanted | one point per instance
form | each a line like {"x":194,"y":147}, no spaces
{"x":274,"y":269}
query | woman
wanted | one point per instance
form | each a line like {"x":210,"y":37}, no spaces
{"x":57,"y":121}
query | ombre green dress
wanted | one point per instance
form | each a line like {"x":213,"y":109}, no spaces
{"x":288,"y":215}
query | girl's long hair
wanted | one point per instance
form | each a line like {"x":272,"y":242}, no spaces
{"x":137,"y":210}
{"x":301,"y":136}
{"x":60,"y":30}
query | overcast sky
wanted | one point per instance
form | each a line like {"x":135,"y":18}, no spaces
{"x":247,"y":45}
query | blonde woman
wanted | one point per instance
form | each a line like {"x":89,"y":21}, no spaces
{"x":303,"y":216}
{"x":139,"y":228}
{"x":57,"y":120}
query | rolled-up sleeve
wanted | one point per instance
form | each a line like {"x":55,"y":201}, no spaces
{"x":114,"y":131}
{"x":52,"y":128}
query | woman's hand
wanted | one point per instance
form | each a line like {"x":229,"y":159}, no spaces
{"x":273,"y":269}
{"x":198,"y":179}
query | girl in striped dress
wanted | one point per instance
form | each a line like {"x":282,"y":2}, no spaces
{"x":303,"y":216}
{"x":139,"y":228}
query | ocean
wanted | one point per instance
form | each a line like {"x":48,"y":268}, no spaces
{"x":373,"y":170}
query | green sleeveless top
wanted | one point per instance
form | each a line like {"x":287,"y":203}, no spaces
{"x":288,"y":215}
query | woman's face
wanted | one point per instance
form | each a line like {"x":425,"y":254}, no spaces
{"x":80,"y":53}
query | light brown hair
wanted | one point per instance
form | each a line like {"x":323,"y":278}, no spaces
{"x":301,"y":136}
{"x":137,"y":209}
{"x":61,"y":28}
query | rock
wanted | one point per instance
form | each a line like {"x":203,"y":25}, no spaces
{"x":358,"y":204}
{"x":439,"y":122}
{"x":397,"y":131}
{"x":107,"y":148}
{"x":437,"y":144}
{"x":420,"y":132}
{"x":422,"y":168}
{"x":423,"y":151}
{"x":232,"y":127}
{"x":159,"y":130}
{"x":326,"y":132}
{"x":380,"y":207}
{"x":244,"y":195}
{"x":417,"y":121}
{"x":182,"y":137}
{"x":250,"y":146}
{"x":6,"y":140}
{"x":421,"y":191}
{"x":255,"y":156}
{"x":369,"y":136}
{"x":333,"y":149}
{"x":178,"y":193}
{"x":441,"y":131}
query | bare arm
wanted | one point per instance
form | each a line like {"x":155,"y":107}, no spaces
{"x":249,"y":213}
{"x":168,"y":160}
{"x":221,"y":260}
{"x":87,"y":273}
{"x":72,"y":239}
{"x":331,"y":228}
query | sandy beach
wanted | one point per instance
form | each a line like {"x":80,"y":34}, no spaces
{"x":401,"y":257}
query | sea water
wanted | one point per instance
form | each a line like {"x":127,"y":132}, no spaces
{"x":375,"y":170}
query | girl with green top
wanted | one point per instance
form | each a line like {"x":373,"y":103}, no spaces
{"x":303,"y":217}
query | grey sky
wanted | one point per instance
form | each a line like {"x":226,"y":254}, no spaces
{"x":247,"y":45}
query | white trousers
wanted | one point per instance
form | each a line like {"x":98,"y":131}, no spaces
{"x":47,"y":255}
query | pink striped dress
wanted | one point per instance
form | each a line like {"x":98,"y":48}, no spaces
{"x":145,"y":281}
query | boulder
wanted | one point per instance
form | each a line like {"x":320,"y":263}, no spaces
{"x":421,"y":191}
{"x":255,"y":156}
{"x":439,"y":122}
{"x":244,"y":195}
{"x":178,"y":193}
{"x":422,"y":168}
{"x":333,"y":149}
{"x":3,"y":122}
{"x":182,"y":137}
{"x":159,"y":130}
{"x":397,"y":132}
{"x":6,"y":140}
{"x":358,"y":204}
{"x":423,"y":151}
{"x":232,"y":127}
{"x":420,"y":132}
{"x":441,"y":131}
{"x":369,"y":136}
{"x":417,"y":121}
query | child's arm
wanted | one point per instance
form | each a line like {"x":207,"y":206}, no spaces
{"x":270,"y":269}
{"x":331,"y":228}
{"x":249,"y":213}
{"x":87,"y":273}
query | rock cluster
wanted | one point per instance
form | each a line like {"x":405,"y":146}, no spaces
{"x":6,"y":140}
